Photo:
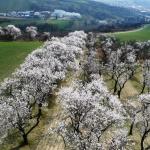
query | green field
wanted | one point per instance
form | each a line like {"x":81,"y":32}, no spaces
{"x":142,"y":34}
{"x":4,"y":22}
{"x":50,"y":23}
{"x":61,"y":24}
{"x":12,"y":54}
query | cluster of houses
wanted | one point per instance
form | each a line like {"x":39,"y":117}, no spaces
{"x":42,"y":14}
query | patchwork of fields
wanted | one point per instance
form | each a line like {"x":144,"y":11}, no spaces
{"x":12,"y":54}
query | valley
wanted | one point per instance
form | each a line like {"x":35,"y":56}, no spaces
{"x":95,"y":16}
{"x":74,"y":75}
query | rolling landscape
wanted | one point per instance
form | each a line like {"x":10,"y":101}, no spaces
{"x":92,"y":14}
{"x":140,"y":34}
{"x":138,"y":4}
{"x":74,"y":75}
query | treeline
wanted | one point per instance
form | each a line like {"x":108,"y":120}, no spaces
{"x":117,"y":27}
{"x":88,"y":25}
{"x":41,"y":31}
{"x":23,"y":96}
{"x":11,"y":33}
{"x":96,"y":118}
{"x":93,"y":117}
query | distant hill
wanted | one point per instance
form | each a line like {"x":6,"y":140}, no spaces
{"x":138,"y":4}
{"x":85,"y":7}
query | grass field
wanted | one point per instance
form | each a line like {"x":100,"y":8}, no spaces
{"x":141,"y":34}
{"x":60,"y":24}
{"x":20,"y":21}
{"x":6,"y":21}
{"x":12,"y":54}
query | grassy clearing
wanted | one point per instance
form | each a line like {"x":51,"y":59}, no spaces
{"x":61,"y":24}
{"x":6,"y":21}
{"x":12,"y":54}
{"x":142,"y":34}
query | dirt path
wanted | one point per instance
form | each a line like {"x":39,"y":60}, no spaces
{"x":55,"y":142}
{"x":128,"y":31}
{"x":129,"y":90}
{"x":48,"y":142}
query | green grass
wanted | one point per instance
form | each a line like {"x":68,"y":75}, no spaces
{"x":138,"y":35}
{"x":61,"y":24}
{"x":6,"y":21}
{"x":12,"y":54}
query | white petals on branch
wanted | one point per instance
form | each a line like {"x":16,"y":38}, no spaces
{"x":37,"y":77}
{"x":91,"y":111}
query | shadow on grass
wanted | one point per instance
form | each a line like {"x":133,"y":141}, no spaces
{"x":135,"y":79}
{"x":18,"y":147}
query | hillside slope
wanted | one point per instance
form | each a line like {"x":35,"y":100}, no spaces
{"x":139,"y":4}
{"x":85,"y":7}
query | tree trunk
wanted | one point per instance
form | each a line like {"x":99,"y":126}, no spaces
{"x":143,"y":88}
{"x":121,"y":88}
{"x":148,"y":90}
{"x":37,"y":119}
{"x":142,"y":142}
{"x":119,"y":93}
{"x":40,"y":110}
{"x":100,"y":73}
{"x":131,"y":128}
{"x":24,"y":135}
{"x":25,"y":139}
{"x":143,"y":138}
{"x":64,"y":141}
{"x":115,"y":87}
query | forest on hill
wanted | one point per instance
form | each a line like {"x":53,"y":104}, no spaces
{"x":85,"y":7}
{"x":95,"y":16}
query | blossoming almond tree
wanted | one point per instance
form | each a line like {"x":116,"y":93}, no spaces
{"x":144,"y":120}
{"x":90,"y":111}
{"x":10,"y":32}
{"x":146,"y":75}
{"x":121,"y":66}
{"x":32,"y":32}
{"x":35,"y":80}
